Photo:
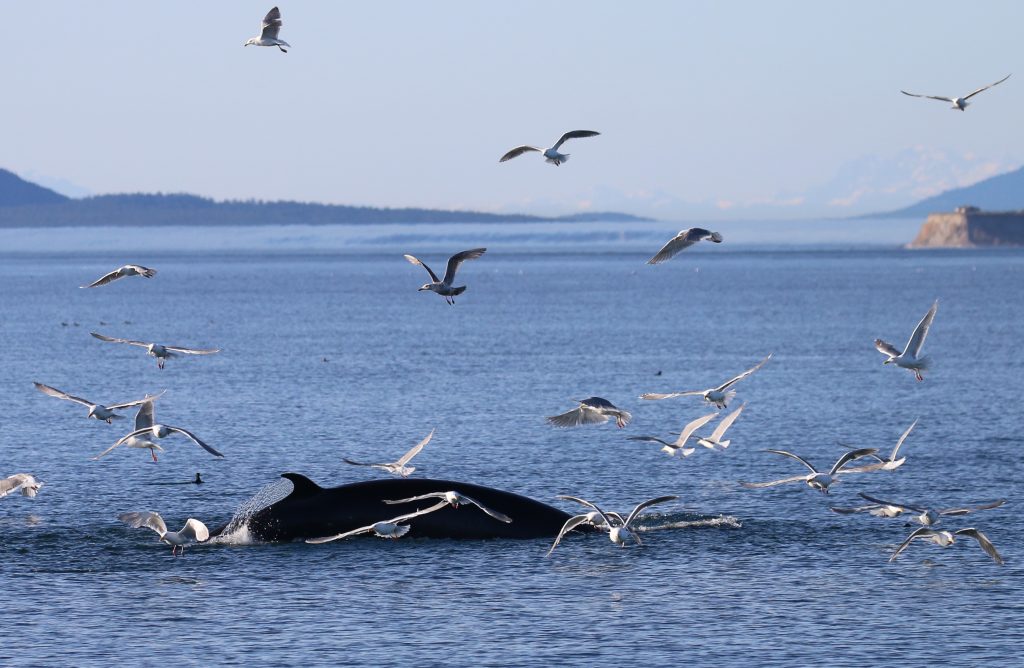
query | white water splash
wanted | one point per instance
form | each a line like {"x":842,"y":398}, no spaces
{"x":728,"y":521}
{"x":236,"y":532}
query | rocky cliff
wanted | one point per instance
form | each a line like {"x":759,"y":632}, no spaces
{"x":968,"y":227}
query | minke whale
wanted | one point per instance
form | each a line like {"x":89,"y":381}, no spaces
{"x":312,"y":511}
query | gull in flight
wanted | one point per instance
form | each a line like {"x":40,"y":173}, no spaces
{"x":684,"y":239}
{"x":678,"y":447}
{"x":96,"y":411}
{"x":20,"y":482}
{"x":958,"y":102}
{"x":619,"y":532}
{"x":399,"y":467}
{"x":592,"y":410}
{"x":159,"y":351}
{"x":815,"y":479}
{"x":146,"y":428}
{"x":947,"y":538}
{"x":455,"y":499}
{"x":908,"y":359}
{"x":719,"y":396}
{"x":269,"y":30}
{"x":550,"y":154}
{"x":924,"y":516}
{"x":122,"y":272}
{"x":886,"y":464}
{"x":393,"y":528}
{"x":444,"y":287}
{"x":193,"y":531}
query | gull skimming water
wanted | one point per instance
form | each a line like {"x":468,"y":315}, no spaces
{"x":20,"y":482}
{"x":193,"y":531}
{"x":947,"y":538}
{"x":619,"y":532}
{"x":924,"y":516}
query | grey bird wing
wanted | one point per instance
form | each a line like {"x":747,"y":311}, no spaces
{"x":930,"y":97}
{"x":578,"y":416}
{"x":144,"y":417}
{"x":355,"y":463}
{"x":14,"y":483}
{"x":123,"y":439}
{"x":421,"y":263}
{"x":106,"y":278}
{"x":455,"y":260}
{"x":917,"y":533}
{"x":691,"y":427}
{"x":193,"y":351}
{"x":872,"y":499}
{"x":732,"y":381}
{"x":569,"y":525}
{"x":855,"y":509}
{"x":684,"y":239}
{"x":588,"y":504}
{"x":902,"y":438}
{"x":849,"y":457}
{"x":145,"y":272}
{"x":195,"y":439}
{"x":921,"y":331}
{"x":970,"y":509}
{"x":726,"y":422}
{"x":575,"y":134}
{"x":983,"y":541}
{"x":886,"y":348}
{"x":271,"y":26}
{"x":518,"y":151}
{"x":773,"y":483}
{"x":339,"y":536}
{"x":646,"y":504}
{"x":652,"y":439}
{"x":421,"y":497}
{"x":800,"y":459}
{"x":967,"y":97}
{"x":59,"y":394}
{"x":111,"y":339}
{"x":654,"y":396}
{"x":407,"y":457}
{"x":144,"y":520}
{"x":417,"y":513}
{"x":502,"y":517}
{"x":138,"y":402}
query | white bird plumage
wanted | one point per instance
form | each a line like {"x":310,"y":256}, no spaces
{"x":122,"y":272}
{"x":719,"y":396}
{"x":146,"y":428}
{"x":159,"y":351}
{"x":395,"y":527}
{"x":890,"y":463}
{"x":454,"y":499}
{"x":946,"y":538}
{"x":270,"y":30}
{"x":619,"y":531}
{"x":959,"y":103}
{"x":678,"y":447}
{"x":592,"y":410}
{"x":399,"y":467}
{"x":96,"y":411}
{"x":684,"y":239}
{"x":25,"y":483}
{"x":909,"y":358}
{"x":194,"y":531}
{"x":921,"y":514}
{"x":551,"y":155}
{"x":816,"y":479}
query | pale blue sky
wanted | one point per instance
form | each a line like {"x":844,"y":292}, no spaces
{"x":705,"y":108}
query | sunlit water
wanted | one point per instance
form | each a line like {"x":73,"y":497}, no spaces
{"x":331,"y":355}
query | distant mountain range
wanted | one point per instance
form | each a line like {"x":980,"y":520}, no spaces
{"x":26,"y":204}
{"x":1004,"y":192}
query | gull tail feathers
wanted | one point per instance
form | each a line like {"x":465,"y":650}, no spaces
{"x":458,"y":291}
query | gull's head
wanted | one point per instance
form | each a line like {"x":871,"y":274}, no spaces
{"x":425,"y":286}
{"x":251,"y":40}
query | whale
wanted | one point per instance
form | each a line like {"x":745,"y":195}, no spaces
{"x":312,"y":511}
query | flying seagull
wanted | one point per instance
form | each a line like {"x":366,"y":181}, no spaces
{"x":886,"y":464}
{"x":715,"y":439}
{"x":958,"y":102}
{"x":684,"y":239}
{"x":396,"y":527}
{"x":455,"y":499}
{"x":592,"y":410}
{"x":924,"y":516}
{"x":550,"y":154}
{"x":193,"y":531}
{"x":146,"y":428}
{"x":444,"y":287}
{"x":816,"y":479}
{"x":678,"y":447}
{"x":96,"y":411}
{"x":122,"y":272}
{"x":269,"y":31}
{"x":399,"y":467}
{"x":159,"y":351}
{"x":20,"y":482}
{"x":719,"y":396}
{"x":908,"y":359}
{"x":947,"y":538}
{"x":618,"y":532}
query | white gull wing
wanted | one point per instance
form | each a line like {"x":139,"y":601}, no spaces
{"x":569,"y":525}
{"x":984,"y":88}
{"x":111,"y":339}
{"x":580,"y":415}
{"x":395,"y":520}
{"x":886,"y":348}
{"x":271,"y":26}
{"x":773,"y":483}
{"x":144,"y":418}
{"x":19,"y":482}
{"x":640,"y":507}
{"x":518,"y":151}
{"x":723,"y":426}
{"x":849,"y":457}
{"x":407,"y":457}
{"x":654,"y":396}
{"x":902,"y":438}
{"x":195,"y":530}
{"x":145,"y":520}
{"x":455,"y":260}
{"x":923,"y":532}
{"x":148,"y":399}
{"x":588,"y":504}
{"x":921,"y":332}
{"x":732,"y":381}
{"x":574,"y":134}
{"x":903,"y":506}
{"x":930,"y":97}
{"x":193,"y":351}
{"x":415,"y":260}
{"x":501,"y":517}
{"x":121,"y":272}
{"x":692,"y":427}
{"x":983,"y":541}
{"x":59,"y":394}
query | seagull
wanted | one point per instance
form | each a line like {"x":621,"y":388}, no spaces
{"x":96,"y":411}
{"x":719,"y":396}
{"x":269,"y":31}
{"x":958,"y":102}
{"x":550,"y":154}
{"x":886,"y":464}
{"x":684,"y":239}
{"x":677,"y":448}
{"x":455,"y":499}
{"x":816,"y":479}
{"x":444,"y":287}
{"x":908,"y":359}
{"x":619,"y":533}
{"x":393,"y":528}
{"x":925,"y":516}
{"x":592,"y":410}
{"x":193,"y":531}
{"x":159,"y":351}
{"x":399,"y":467}
{"x":122,"y":272}
{"x":947,"y":538}
{"x":20,"y":482}
{"x":146,"y":428}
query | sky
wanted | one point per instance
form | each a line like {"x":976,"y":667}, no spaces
{"x":707,"y":110}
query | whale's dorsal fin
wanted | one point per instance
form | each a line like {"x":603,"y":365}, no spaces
{"x":303,"y":486}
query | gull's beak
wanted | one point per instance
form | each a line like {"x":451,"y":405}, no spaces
{"x":887,"y":361}
{"x":420,"y":289}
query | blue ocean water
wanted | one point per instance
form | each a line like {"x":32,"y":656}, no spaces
{"x":328,"y":355}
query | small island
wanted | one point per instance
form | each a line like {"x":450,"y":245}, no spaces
{"x":969,"y":227}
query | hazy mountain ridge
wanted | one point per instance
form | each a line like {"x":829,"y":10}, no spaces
{"x":1004,"y":192}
